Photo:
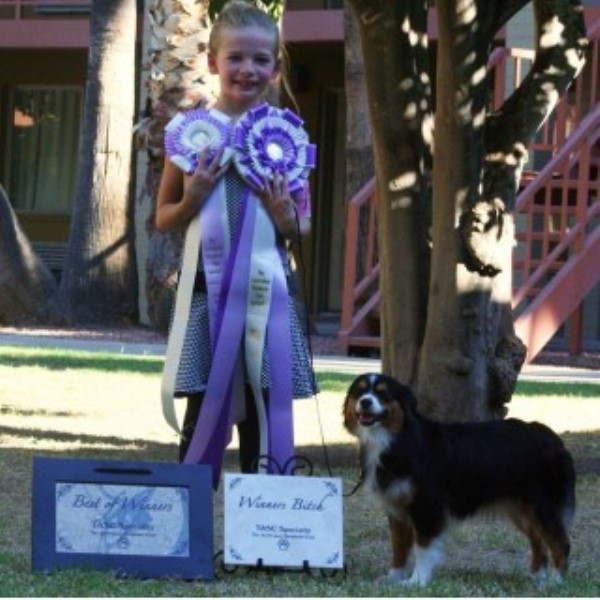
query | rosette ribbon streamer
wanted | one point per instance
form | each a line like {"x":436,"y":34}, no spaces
{"x":186,"y":135}
{"x":247,"y":290}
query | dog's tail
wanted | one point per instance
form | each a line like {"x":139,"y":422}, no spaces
{"x":560,"y":477}
{"x":568,"y":500}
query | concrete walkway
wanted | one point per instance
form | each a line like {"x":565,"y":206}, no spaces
{"x":340,"y":364}
{"x":530,"y":372}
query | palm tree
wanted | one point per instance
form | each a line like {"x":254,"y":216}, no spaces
{"x":99,"y":280}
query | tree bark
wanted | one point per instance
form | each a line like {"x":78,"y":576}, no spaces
{"x":99,"y":280}
{"x":507,"y":133}
{"x":445,"y":364}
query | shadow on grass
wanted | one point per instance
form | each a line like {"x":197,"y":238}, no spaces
{"x":25,"y":441}
{"x":583,"y":446}
{"x":84,"y":441}
{"x":340,"y":461}
{"x":324,"y":459}
{"x":21,"y":412}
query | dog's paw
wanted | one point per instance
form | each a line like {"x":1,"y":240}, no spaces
{"x":396,"y":576}
{"x":417,"y":579}
{"x":546,"y":577}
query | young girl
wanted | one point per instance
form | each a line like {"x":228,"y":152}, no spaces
{"x":236,"y":347}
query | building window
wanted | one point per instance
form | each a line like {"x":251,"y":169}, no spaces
{"x":43,"y":147}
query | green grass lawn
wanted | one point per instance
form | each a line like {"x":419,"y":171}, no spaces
{"x":87,"y":405}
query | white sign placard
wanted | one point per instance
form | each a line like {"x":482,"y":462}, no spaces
{"x":283,"y":521}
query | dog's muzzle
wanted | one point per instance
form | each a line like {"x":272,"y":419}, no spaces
{"x":369,"y":412}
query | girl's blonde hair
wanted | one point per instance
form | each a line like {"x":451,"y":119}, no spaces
{"x":241,"y":13}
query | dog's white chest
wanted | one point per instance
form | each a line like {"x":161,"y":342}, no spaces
{"x":396,"y":497}
{"x":399,"y":491}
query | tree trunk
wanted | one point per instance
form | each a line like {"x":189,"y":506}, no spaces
{"x":446,"y":364}
{"x":454,"y":341}
{"x":100,"y":280}
{"x":28,"y":291}
{"x":399,"y":95}
{"x":471,"y":356}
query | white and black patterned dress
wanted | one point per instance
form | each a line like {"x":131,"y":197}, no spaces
{"x":196,"y":357}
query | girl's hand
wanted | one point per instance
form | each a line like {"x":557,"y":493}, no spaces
{"x":198,"y":187}
{"x":280,"y":206}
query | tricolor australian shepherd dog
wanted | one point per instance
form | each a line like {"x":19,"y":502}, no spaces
{"x":427,"y":473}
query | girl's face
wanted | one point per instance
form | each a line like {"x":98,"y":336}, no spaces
{"x":246,"y":63}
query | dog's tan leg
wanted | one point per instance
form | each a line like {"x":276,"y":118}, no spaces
{"x":555,"y":534}
{"x":525,"y":521}
{"x":402,"y":537}
{"x":549,"y":533}
{"x":539,"y":555}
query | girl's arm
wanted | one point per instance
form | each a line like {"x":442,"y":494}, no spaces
{"x":181,"y":197}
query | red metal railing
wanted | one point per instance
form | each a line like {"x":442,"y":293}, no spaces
{"x":555,"y":216}
{"x":360,"y":296}
{"x":559,"y":261}
{"x":554,"y":268}
{"x":41,"y":9}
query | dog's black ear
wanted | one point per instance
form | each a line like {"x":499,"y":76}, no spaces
{"x":410,"y":398}
{"x":404,"y":395}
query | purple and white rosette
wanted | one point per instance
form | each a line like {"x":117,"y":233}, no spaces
{"x":188,"y":133}
{"x":269,"y":140}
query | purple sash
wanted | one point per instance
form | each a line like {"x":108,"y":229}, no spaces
{"x":214,"y":428}
{"x":213,"y":431}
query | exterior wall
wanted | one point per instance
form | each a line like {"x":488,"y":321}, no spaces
{"x":317,"y":77}
{"x":519,"y":32}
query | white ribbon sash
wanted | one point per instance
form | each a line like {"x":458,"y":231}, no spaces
{"x":265,"y":268}
{"x":183,"y":302}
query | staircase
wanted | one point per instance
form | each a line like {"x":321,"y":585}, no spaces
{"x":557,"y":214}
{"x":557,"y":262}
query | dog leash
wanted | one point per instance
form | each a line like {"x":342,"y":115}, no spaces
{"x":357,"y":485}
{"x":307,"y":325}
